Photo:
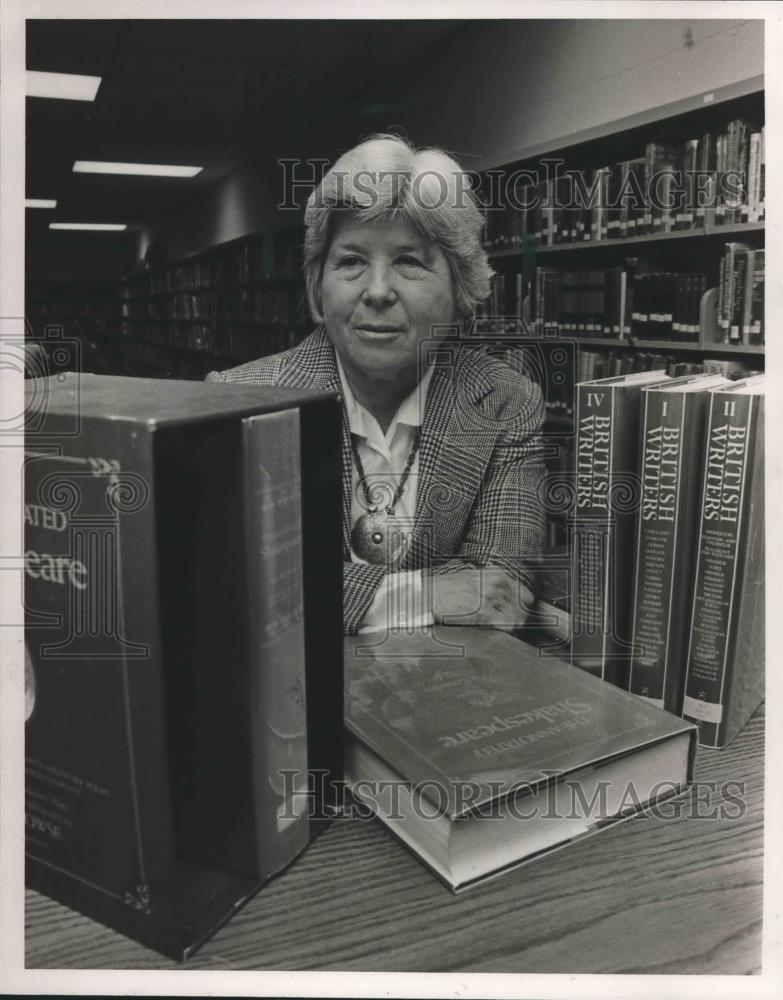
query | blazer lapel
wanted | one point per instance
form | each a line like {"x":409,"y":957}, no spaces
{"x":456,"y":445}
{"x":456,"y":442}
{"x":313,"y":365}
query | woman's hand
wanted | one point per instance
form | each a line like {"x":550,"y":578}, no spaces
{"x":486,"y":596}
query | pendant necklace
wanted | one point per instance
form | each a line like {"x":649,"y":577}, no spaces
{"x":377,"y":535}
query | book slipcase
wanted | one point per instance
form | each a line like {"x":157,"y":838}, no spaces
{"x":174,"y":706}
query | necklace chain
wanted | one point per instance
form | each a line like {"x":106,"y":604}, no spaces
{"x":403,"y":478}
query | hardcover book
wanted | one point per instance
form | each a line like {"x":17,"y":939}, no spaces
{"x":174,"y":704}
{"x":479,"y":753}
{"x":604,"y":521}
{"x":724,"y":681}
{"x":672,"y":449}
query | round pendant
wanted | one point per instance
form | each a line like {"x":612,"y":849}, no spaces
{"x":377,"y":538}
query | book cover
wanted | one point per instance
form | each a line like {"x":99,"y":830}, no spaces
{"x":671,"y":448}
{"x":145,"y":737}
{"x":724,"y":680}
{"x":603,"y":524}
{"x":471,"y":719}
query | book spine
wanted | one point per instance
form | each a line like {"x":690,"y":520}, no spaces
{"x":550,"y":213}
{"x":742,"y":168}
{"x":539,"y":320}
{"x":625,"y":326}
{"x":756,"y":332}
{"x":606,"y":450}
{"x":667,"y":193}
{"x":649,"y":165}
{"x":731,"y":167}
{"x":686,"y":216}
{"x":726,"y":503}
{"x":727,"y":309}
{"x":274,"y":580}
{"x":738,"y":287}
{"x":747,"y":296}
{"x":753,"y":177}
{"x":671,"y":446}
{"x":551,"y":303}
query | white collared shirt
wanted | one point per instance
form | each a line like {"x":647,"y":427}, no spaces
{"x":399,"y":600}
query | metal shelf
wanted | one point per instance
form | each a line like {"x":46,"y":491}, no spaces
{"x":688,"y":347}
{"x":739,"y":229}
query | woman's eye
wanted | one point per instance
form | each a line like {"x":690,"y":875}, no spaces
{"x":409,"y":261}
{"x":349,"y":261}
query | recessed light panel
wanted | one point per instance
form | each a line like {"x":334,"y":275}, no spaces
{"x":62,"y":86}
{"x":104,"y":227}
{"x":144,"y":169}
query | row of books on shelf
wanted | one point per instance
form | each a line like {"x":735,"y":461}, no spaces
{"x":42,"y":292}
{"x":268,"y":256}
{"x":270,"y":305}
{"x":668,"y":543}
{"x":711,"y":180}
{"x":741,"y":295}
{"x":620,"y":302}
{"x":58,"y":309}
{"x":590,"y":364}
{"x":613,"y":302}
{"x":238,"y":342}
{"x":602,"y":364}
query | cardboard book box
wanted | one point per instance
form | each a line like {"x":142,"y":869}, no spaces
{"x":183,"y":649}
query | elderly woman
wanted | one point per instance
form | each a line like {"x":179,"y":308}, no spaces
{"x":441,"y":515}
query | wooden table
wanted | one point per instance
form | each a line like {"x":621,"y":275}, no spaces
{"x":681,"y":895}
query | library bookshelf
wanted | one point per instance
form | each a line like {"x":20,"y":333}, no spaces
{"x":228,"y":304}
{"x":617,"y":249}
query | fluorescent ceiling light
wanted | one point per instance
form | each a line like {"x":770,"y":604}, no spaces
{"x":106,"y":227}
{"x":65,"y":86}
{"x":40,"y":203}
{"x":147,"y":169}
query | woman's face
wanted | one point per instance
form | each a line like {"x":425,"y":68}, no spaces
{"x":384,"y":291}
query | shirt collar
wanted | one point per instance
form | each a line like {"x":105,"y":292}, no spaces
{"x":411,"y":411}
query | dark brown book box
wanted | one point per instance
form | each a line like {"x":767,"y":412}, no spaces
{"x":183,"y":605}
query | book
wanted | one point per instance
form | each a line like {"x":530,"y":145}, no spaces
{"x":671,"y":450}
{"x":728,"y":290}
{"x":603,"y":523}
{"x":481,"y":754}
{"x":177,"y":702}
{"x":756,"y":314}
{"x":724,"y":680}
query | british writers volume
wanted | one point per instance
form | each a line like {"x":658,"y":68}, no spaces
{"x":724,"y":681}
{"x":671,"y":450}
{"x":607,"y":493}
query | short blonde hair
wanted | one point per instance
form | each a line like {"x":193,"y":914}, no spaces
{"x":384,"y":177}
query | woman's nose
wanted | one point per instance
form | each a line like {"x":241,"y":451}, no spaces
{"x":379,"y":289}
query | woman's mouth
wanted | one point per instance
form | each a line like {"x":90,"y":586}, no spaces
{"x":378,"y":331}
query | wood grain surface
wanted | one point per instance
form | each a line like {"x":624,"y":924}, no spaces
{"x":651,"y":895}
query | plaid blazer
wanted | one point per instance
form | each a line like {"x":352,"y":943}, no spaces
{"x":480,"y":463}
